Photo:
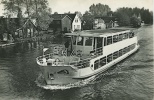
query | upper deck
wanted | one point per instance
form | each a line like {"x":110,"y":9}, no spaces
{"x":101,"y":33}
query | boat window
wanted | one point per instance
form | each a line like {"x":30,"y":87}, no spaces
{"x":105,"y":41}
{"x":109,"y":40}
{"x":80,"y":41}
{"x":115,"y":38}
{"x":120,"y":52}
{"x":115,"y":55}
{"x":96,"y":64}
{"x":109,"y":58}
{"x":131,"y":34}
{"x":120,"y":37}
{"x":132,"y":46}
{"x":125,"y":36}
{"x":88,"y":41}
{"x":124,"y":50}
{"x":103,"y":61}
{"x":128,"y":48}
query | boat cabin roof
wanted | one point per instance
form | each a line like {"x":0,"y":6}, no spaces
{"x":100,"y":33}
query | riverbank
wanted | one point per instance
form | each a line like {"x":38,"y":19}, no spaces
{"x":43,"y":38}
{"x":6,"y":44}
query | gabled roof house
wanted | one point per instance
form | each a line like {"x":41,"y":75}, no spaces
{"x":105,"y":22}
{"x":65,"y":22}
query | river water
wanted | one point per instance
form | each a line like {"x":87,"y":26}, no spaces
{"x":131,"y":79}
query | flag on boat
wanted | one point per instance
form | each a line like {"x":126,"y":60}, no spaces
{"x":45,"y":49}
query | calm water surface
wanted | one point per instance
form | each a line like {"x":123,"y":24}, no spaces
{"x":131,"y":79}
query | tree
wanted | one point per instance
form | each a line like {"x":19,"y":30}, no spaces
{"x":144,"y":14}
{"x":37,"y":9}
{"x":79,"y":14}
{"x":135,"y":21}
{"x":12,"y":7}
{"x":123,"y":18}
{"x":88,"y":19}
{"x":55,"y":12}
{"x":99,"y":9}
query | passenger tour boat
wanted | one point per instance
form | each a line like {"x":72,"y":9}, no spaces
{"x":87,"y":53}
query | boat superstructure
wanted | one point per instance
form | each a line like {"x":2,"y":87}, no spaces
{"x":90,"y":52}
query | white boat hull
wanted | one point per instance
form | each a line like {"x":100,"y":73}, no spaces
{"x":74,"y":75}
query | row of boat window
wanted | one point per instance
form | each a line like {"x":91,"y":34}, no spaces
{"x":113,"y":39}
{"x":107,"y":41}
{"x":88,"y":41}
{"x":103,"y":61}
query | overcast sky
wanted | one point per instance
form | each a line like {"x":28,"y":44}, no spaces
{"x":62,"y":6}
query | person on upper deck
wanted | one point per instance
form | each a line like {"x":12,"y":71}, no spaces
{"x":66,"y":44}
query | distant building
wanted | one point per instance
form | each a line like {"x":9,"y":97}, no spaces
{"x":60,"y":23}
{"x":76,"y":22}
{"x":27,"y":30}
{"x":65,"y":23}
{"x":104,"y":22}
{"x":17,"y":28}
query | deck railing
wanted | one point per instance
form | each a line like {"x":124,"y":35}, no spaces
{"x":80,"y":63}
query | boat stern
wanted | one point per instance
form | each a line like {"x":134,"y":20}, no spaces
{"x":58,"y":74}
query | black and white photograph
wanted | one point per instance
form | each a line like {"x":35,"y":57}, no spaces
{"x":76,"y":50}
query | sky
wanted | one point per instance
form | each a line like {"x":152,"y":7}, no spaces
{"x":62,"y":6}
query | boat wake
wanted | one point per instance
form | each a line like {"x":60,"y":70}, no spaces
{"x":41,"y":83}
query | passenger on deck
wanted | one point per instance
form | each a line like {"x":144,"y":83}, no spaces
{"x":67,"y":46}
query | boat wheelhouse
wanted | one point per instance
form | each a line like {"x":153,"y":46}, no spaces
{"x":89,"y":53}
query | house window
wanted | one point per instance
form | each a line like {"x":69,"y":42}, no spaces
{"x":76,"y":20}
{"x":32,"y":32}
{"x":88,"y":41}
{"x":28,"y":32}
{"x":78,"y":26}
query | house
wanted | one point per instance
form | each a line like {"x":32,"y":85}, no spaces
{"x":104,"y":22}
{"x":28,"y":30}
{"x":76,"y":22}
{"x":65,"y":23}
{"x":60,"y":23}
{"x":17,"y":28}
